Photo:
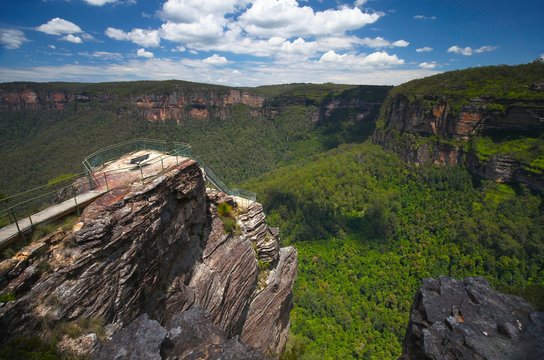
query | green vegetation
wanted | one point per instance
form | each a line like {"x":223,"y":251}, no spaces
{"x":369,"y":227}
{"x":24,"y":348}
{"x":39,"y":145}
{"x":81,"y":326}
{"x":228,"y":218}
{"x":499,"y":82}
{"x":528,"y":151}
{"x":7,"y":297}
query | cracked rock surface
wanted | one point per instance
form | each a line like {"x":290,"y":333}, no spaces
{"x":467,"y":319}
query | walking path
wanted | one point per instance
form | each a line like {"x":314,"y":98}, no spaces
{"x":11,"y":232}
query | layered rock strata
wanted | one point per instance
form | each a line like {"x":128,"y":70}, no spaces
{"x":159,"y":250}
{"x":427,"y":130}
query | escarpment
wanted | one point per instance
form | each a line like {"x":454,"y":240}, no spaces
{"x":153,"y":258}
{"x":458,"y":118}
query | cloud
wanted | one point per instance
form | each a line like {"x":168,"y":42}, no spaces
{"x":423,"y":17}
{"x":12,"y":38}
{"x":215,"y":60}
{"x":400,"y":43}
{"x":206,"y":30}
{"x":99,"y":2}
{"x":252,"y":73}
{"x":424,"y":49}
{"x":467,"y":51}
{"x":145,"y":54}
{"x":103,"y":55}
{"x":72,"y":38}
{"x":179,"y":49}
{"x":267,"y":18}
{"x":485,"y":48}
{"x":58,"y":26}
{"x":52,"y":47}
{"x":428,"y":65}
{"x":147,"y":38}
{"x":359,"y":3}
{"x":189,"y":11}
{"x":376,"y":59}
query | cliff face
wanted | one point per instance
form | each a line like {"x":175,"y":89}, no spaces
{"x":426,"y":128}
{"x":454,"y":319}
{"x":434,"y":116}
{"x":176,"y":105}
{"x":160,"y":251}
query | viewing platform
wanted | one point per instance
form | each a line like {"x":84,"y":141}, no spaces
{"x":131,"y":163}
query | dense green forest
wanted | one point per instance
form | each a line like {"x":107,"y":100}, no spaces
{"x":38,"y":145}
{"x":369,"y":227}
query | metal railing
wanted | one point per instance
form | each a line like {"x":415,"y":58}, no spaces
{"x":27,"y":203}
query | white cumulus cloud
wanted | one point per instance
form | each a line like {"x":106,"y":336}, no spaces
{"x":145,"y":54}
{"x":400,"y":43}
{"x":466,"y":51}
{"x":206,"y":30}
{"x":12,"y":38}
{"x":428,"y":65}
{"x":376,"y":59}
{"x":215,"y":60}
{"x":72,"y":38}
{"x":58,"y":26}
{"x":188,"y":11}
{"x":147,"y":38}
{"x":267,"y":18}
{"x":424,"y":49}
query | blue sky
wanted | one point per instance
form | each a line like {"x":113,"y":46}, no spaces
{"x":256,"y":42}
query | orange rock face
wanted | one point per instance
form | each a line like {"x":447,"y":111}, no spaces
{"x":467,"y":123}
{"x":29,"y":97}
{"x":199,"y":113}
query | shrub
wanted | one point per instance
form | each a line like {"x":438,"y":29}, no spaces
{"x":7,"y":297}
{"x":224,"y":210}
{"x":230,"y":225}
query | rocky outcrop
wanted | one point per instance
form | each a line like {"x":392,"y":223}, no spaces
{"x":159,"y":250}
{"x":190,"y":335}
{"x":466,"y":319}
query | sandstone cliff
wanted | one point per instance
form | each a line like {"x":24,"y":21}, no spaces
{"x":436,"y":120}
{"x":454,"y":319}
{"x":160,"y":251}
{"x":154,"y":106}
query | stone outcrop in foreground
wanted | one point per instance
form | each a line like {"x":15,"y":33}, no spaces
{"x":160,"y":250}
{"x":466,"y":319}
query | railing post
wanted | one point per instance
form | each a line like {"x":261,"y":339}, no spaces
{"x":75,"y":200}
{"x":30,"y":217}
{"x":16,"y":223}
{"x":142,"y":174}
{"x":106,"y":181}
